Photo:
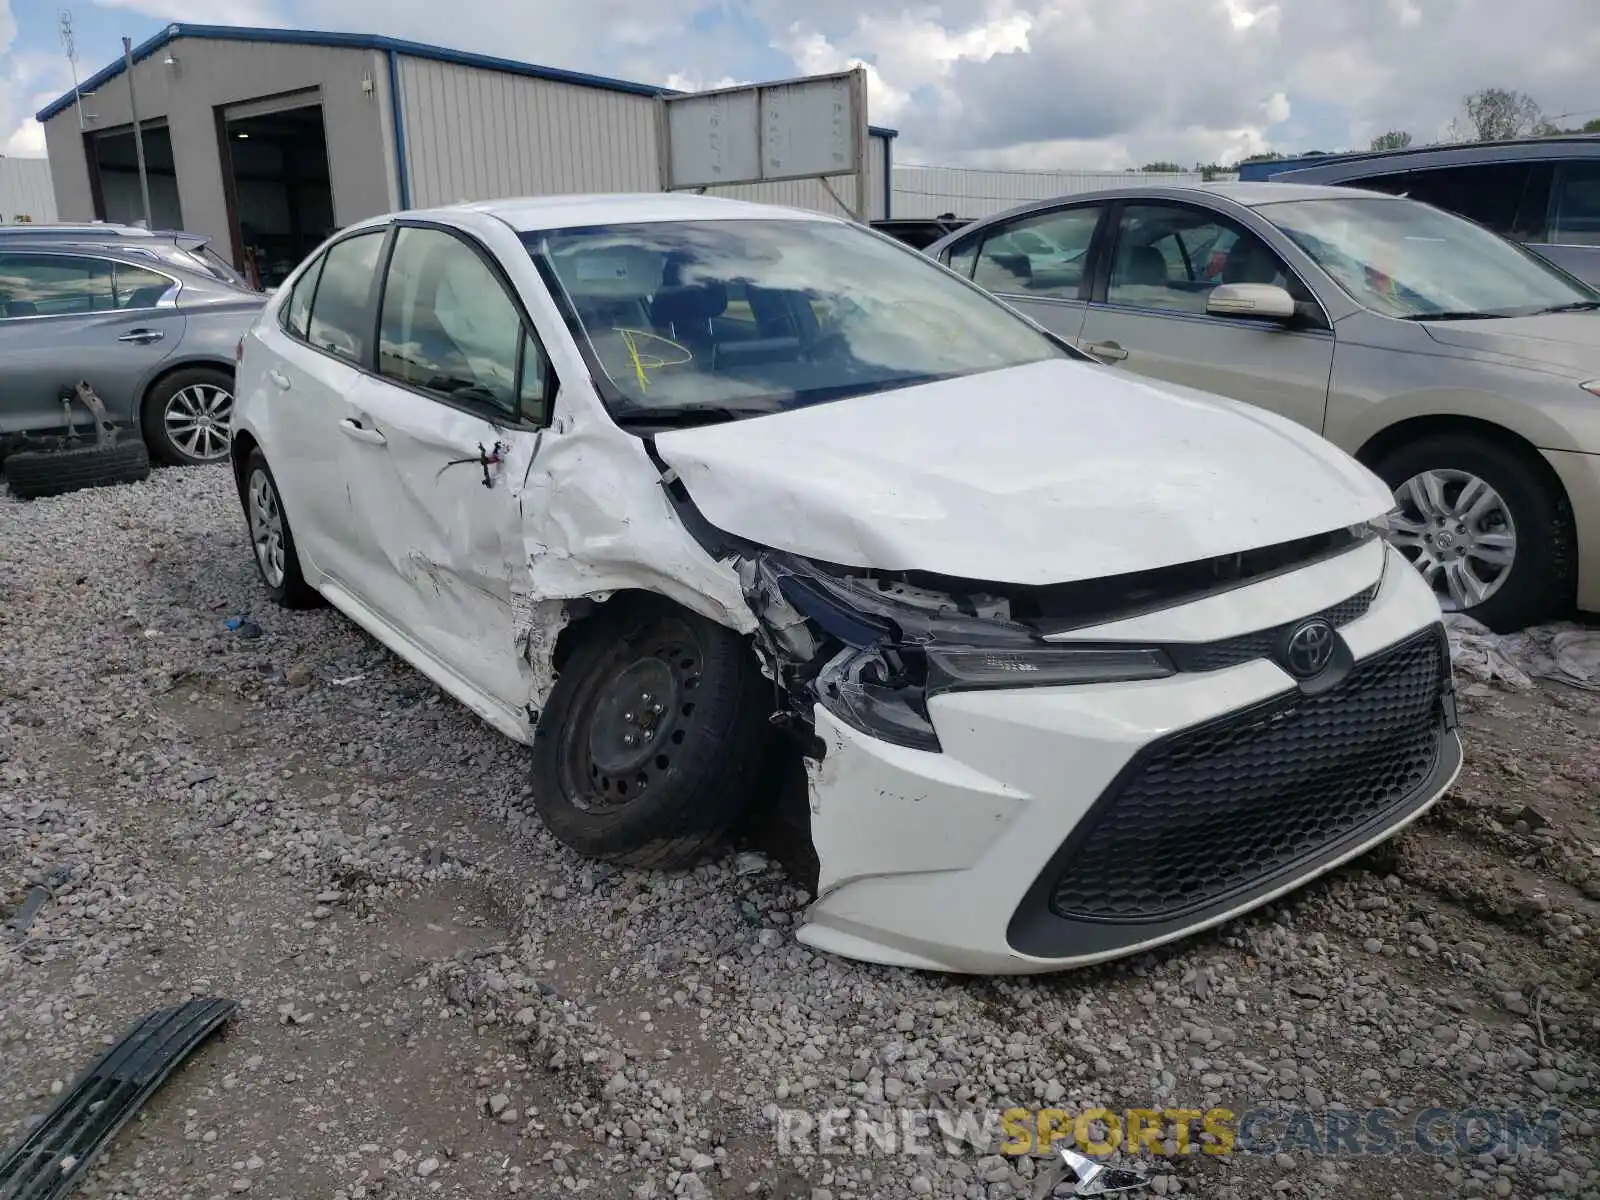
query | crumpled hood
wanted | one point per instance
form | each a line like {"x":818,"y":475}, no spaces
{"x":1568,"y":343}
{"x":1047,"y":473}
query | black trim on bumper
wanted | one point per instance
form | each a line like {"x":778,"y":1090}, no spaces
{"x":1037,"y":930}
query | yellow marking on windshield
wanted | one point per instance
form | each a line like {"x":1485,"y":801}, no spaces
{"x":644,"y":363}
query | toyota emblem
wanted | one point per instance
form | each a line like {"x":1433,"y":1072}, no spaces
{"x":1310,"y":649}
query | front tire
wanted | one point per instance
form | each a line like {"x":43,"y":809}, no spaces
{"x":649,"y":748}
{"x":187,"y":416}
{"x":271,"y":540}
{"x":1486,"y":526}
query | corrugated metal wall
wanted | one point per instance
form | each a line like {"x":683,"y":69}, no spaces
{"x":475,"y":134}
{"x":25,"y":191}
{"x":922,"y":191}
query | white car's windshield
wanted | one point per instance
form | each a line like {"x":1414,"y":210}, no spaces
{"x":1406,"y":259}
{"x":742,"y":317}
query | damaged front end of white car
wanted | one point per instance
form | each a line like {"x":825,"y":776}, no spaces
{"x":1042,"y":663}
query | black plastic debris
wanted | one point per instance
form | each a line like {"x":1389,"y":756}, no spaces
{"x":36,"y":898}
{"x":49,"y":1162}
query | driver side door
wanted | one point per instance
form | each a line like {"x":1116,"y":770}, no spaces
{"x":460,"y":377}
{"x":1148,"y":312}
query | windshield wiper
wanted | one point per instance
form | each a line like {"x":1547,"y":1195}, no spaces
{"x":1575,"y":306}
{"x":1464,"y":315}
{"x":679,"y":418}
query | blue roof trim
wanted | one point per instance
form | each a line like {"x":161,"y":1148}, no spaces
{"x":364,"y":41}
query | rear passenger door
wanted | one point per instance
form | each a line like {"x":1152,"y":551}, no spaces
{"x":323,"y":340}
{"x":1149,"y":311}
{"x":70,"y":317}
{"x":1038,"y":263}
{"x":460,"y":376}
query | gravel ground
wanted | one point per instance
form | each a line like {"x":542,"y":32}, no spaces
{"x":438,"y":999}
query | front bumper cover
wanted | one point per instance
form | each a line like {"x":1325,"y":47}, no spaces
{"x":942,"y":860}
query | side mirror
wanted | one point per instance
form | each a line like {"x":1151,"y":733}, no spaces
{"x":1263,"y":301}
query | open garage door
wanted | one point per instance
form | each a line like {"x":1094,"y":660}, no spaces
{"x":275,"y":169}
{"x":114,"y":176}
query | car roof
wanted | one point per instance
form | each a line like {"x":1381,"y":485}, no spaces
{"x":529,"y":213}
{"x":1245,"y":195}
{"x":190,"y":274}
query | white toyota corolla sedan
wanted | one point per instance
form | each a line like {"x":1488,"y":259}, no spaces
{"x":699,"y":498}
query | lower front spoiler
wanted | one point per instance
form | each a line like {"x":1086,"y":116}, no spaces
{"x":846,"y":922}
{"x":49,"y":1162}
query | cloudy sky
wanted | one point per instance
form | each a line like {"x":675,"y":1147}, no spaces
{"x":1015,"y":83}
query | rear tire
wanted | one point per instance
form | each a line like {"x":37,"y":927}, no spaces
{"x":35,"y":474}
{"x":271,"y":540}
{"x":649,"y":749}
{"x":1539,"y":583}
{"x":186,"y":416}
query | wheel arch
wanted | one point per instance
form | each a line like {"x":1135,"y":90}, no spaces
{"x":169,"y":368}
{"x":1379,"y":445}
{"x":240,"y":445}
{"x":584,"y":611}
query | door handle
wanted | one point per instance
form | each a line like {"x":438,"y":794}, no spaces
{"x":142,"y":336}
{"x":279,"y":379}
{"x":1106,"y":351}
{"x":355,"y":429}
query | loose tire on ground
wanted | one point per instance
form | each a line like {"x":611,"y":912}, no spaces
{"x":647,"y":666}
{"x":202,"y":386}
{"x":34,"y":474}
{"x":276,"y":557}
{"x":1540,"y":583}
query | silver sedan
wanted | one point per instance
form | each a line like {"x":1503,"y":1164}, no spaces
{"x":154,"y":340}
{"x":1463,"y":369}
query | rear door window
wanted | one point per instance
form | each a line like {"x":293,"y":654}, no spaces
{"x":1575,"y":205}
{"x":1488,"y":193}
{"x":45,"y":285}
{"x":341,"y":312}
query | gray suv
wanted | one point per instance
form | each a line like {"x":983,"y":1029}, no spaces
{"x":1543,"y":192}
{"x":155,"y":338}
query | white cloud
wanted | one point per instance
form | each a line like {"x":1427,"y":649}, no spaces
{"x":26,"y":141}
{"x":699,"y":83}
{"x":31,"y":79}
{"x":1044,"y":83}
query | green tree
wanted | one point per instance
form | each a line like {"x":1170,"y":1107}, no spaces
{"x":1395,"y":139}
{"x":1496,"y":114}
{"x":1162,"y":168}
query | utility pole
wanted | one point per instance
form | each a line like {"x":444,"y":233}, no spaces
{"x":138,"y":136}
{"x":70,"y":44}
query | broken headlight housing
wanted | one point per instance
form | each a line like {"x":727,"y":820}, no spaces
{"x":898,"y":646}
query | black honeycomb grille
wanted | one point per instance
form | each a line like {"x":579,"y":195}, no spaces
{"x":1248,"y":647}
{"x":1220,"y":807}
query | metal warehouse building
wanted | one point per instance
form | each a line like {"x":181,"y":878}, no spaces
{"x":266,"y":140}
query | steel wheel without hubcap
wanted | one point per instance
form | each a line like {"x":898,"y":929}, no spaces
{"x":266,"y":528}
{"x":1458,"y":531}
{"x":633,"y":724}
{"x":197,"y":420}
